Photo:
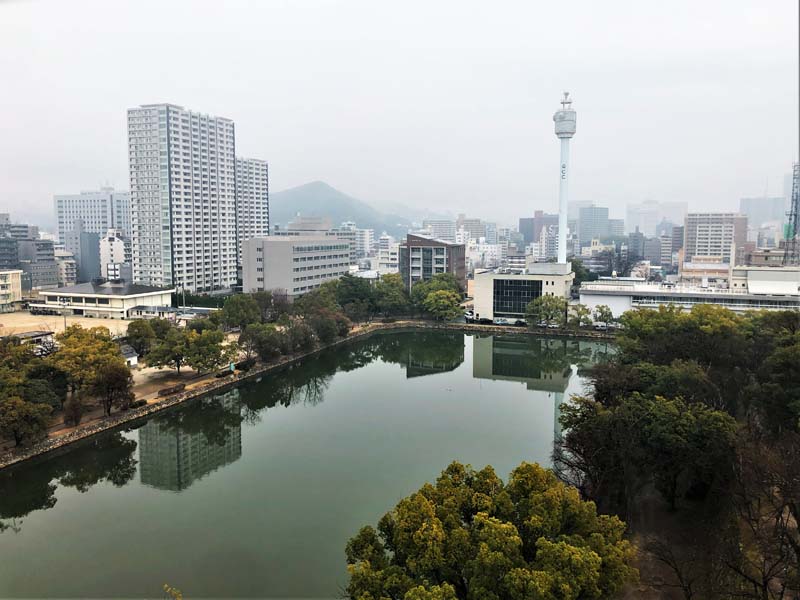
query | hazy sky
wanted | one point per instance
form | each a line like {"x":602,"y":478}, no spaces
{"x":446,"y":105}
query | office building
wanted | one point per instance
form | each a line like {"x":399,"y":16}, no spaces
{"x":10,"y":289}
{"x":38,"y":263}
{"x":321,"y":227}
{"x":295,"y":263}
{"x":9,"y":255}
{"x":252,"y":200}
{"x":99,"y":210}
{"x":441,"y":229}
{"x":574,"y":208}
{"x":502,"y":293}
{"x":647,"y":215}
{"x":422,"y":258}
{"x":183,"y":198}
{"x":491,"y":232}
{"x":474,"y":227}
{"x":85,"y":248}
{"x":531,"y":228}
{"x":616,"y":227}
{"x":17,"y":231}
{"x":712,"y":235}
{"x":652,"y":250}
{"x":592,"y":224}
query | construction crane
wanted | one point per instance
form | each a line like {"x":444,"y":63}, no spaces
{"x":791,"y":231}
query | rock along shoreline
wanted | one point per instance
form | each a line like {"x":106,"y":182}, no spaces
{"x":129,"y":418}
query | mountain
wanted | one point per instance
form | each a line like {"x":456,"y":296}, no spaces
{"x":318,"y":199}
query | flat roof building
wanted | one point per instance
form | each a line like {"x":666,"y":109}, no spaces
{"x":10,"y":289}
{"x":294,"y":263}
{"x":421,"y":258}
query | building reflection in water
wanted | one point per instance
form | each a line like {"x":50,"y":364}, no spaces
{"x":180,"y":448}
{"x":542,"y":364}
{"x":423,"y":352}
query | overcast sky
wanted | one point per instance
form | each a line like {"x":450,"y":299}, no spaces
{"x":446,"y":105}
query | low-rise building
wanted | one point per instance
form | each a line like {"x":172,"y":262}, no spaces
{"x":109,"y":300}
{"x":296,"y":264}
{"x":750,"y":288}
{"x":10,"y":289}
{"x":505,"y":293}
{"x":421,"y":258}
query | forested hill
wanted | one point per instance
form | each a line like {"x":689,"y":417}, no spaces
{"x":318,"y":199}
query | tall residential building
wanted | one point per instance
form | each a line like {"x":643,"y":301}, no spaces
{"x":592,"y":224}
{"x":183,"y":198}
{"x":441,"y":229}
{"x":115,"y":255}
{"x":294,"y":263}
{"x":67,"y":268}
{"x":421,"y":258}
{"x":99,"y":210}
{"x":252,"y":199}
{"x":711,"y":235}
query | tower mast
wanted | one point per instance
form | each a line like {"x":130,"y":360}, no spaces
{"x":791,"y":231}
{"x":565,"y":128}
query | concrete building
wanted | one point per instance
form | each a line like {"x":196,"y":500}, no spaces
{"x":296,"y":264}
{"x":85,"y":247}
{"x":648,"y":214}
{"x":9,"y":253}
{"x":531,"y":228}
{"x":503,"y":293}
{"x":19,"y":231}
{"x":252,"y":200}
{"x":321,"y":227}
{"x":616,"y":227}
{"x":183,"y":198}
{"x":10,"y":289}
{"x":441,"y":229}
{"x":422,"y":258}
{"x":388,"y":260}
{"x":38,"y":263}
{"x":115,"y":255}
{"x":760,"y":211}
{"x":67,"y":268}
{"x":475,"y":227}
{"x":747,"y":288}
{"x":99,"y":210}
{"x":652,"y":250}
{"x":592,"y":224}
{"x":484,"y":255}
{"x":109,"y":300}
{"x":711,"y":235}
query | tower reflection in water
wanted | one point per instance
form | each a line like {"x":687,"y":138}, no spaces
{"x":182,"y":447}
{"x":542,"y":364}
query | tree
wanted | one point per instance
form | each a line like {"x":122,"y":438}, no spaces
{"x":206,"y":351}
{"x":140,"y":336}
{"x":358,"y":310}
{"x":170,"y":351}
{"x":444,"y":305}
{"x":581,"y":272}
{"x":263,"y":340}
{"x":603,"y":314}
{"x":240,"y":310}
{"x":545,"y":309}
{"x":81,"y":351}
{"x":40,"y":391}
{"x":579,"y":316}
{"x":23,"y":421}
{"x":324,"y":325}
{"x":471,"y":536}
{"x":113,"y":385}
{"x":272,"y":304}
{"x":298,"y":337}
{"x":391,"y":296}
{"x":350,"y":289}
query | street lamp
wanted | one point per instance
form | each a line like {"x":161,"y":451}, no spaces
{"x":64,"y":304}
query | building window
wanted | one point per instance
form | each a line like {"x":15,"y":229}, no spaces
{"x":511,"y":296}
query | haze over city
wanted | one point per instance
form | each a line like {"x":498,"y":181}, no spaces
{"x":444,"y":107}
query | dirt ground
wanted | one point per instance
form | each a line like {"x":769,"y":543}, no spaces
{"x":20,"y":322}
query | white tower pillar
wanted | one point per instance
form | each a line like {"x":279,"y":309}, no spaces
{"x":565,"y":128}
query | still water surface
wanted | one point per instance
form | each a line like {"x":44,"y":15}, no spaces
{"x":254,"y":493}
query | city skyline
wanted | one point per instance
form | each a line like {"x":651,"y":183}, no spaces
{"x":410,"y":123}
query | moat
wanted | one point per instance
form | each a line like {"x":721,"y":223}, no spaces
{"x":254,"y":493}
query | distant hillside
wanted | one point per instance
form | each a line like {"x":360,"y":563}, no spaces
{"x":318,"y":199}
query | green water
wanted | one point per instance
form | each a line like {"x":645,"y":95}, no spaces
{"x":254,"y":493}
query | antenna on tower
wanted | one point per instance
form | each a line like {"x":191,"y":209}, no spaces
{"x":791,"y":231}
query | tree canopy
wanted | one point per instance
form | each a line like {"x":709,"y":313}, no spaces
{"x":471,"y":536}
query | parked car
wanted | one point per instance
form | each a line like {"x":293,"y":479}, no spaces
{"x":520,"y":323}
{"x":502,"y":321}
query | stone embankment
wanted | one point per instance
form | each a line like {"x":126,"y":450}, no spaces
{"x":119,"y":419}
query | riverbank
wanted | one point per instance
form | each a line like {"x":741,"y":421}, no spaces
{"x":214,"y":385}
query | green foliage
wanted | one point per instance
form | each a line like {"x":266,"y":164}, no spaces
{"x":240,"y":310}
{"x":352,"y":289}
{"x":581,"y":272}
{"x":207,"y":351}
{"x":579,"y":316}
{"x":170,"y":351}
{"x":298,"y":337}
{"x":471,"y":536}
{"x":391,"y":296}
{"x":40,"y":391}
{"x":440,"y":281}
{"x":199,"y":325}
{"x":81,"y":351}
{"x":272,"y":304}
{"x":325,"y":325}
{"x":113,"y":385}
{"x":443,"y":305}
{"x":603,"y":314}
{"x":140,"y":335}
{"x":546,"y":309}
{"x":23,"y":421}
{"x":263,"y":340}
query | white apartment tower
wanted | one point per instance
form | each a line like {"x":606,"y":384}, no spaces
{"x":252,"y":200}
{"x":183,"y":198}
{"x":99,"y":210}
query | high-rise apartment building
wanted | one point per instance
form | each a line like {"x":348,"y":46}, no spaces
{"x":115,"y":255}
{"x":183,"y":198}
{"x":711,"y":235}
{"x":252,"y":200}
{"x":99,"y":210}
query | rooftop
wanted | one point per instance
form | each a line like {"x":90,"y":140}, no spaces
{"x":109,"y":288}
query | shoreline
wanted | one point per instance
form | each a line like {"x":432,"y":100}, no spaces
{"x":129,"y":418}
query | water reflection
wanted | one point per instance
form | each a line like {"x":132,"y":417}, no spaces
{"x":182,"y":447}
{"x":33,"y":486}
